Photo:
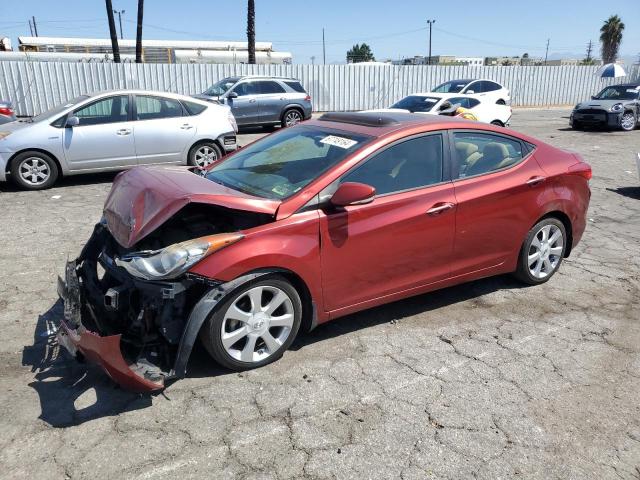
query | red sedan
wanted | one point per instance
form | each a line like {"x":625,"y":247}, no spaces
{"x":309,"y":224}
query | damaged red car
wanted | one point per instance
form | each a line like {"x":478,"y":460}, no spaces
{"x":306,"y":225}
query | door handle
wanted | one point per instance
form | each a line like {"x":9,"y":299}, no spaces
{"x":186,"y":126}
{"x":253,"y":100}
{"x":438,"y":208}
{"x":123,"y":131}
{"x":535,"y":180}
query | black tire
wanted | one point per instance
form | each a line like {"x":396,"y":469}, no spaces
{"x":498,"y":123}
{"x":198,"y":158}
{"x":576,"y":125}
{"x":40,"y":164}
{"x":501,"y":102}
{"x":523,"y":272}
{"x":291,"y":115}
{"x":628,"y":121}
{"x":211,"y":333}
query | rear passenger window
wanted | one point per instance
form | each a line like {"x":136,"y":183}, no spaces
{"x":270,"y":87}
{"x":152,"y":108}
{"x":411,"y":164}
{"x":296,"y":86}
{"x":194,"y":108}
{"x":479,"y":153}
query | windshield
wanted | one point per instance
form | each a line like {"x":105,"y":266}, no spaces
{"x":285,"y":162}
{"x":454,"y":86}
{"x":415,"y":103}
{"x":221,"y":87}
{"x":60,"y":108}
{"x":619,"y":92}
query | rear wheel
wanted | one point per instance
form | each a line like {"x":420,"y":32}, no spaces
{"x":576,"y":125}
{"x":628,"y":121}
{"x":501,"y":102}
{"x":204,"y":154}
{"x":542,"y":252}
{"x":255,"y":325}
{"x":34,"y":170}
{"x":291,"y":117}
{"x":498,"y":123}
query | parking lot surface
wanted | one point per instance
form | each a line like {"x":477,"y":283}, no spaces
{"x":486,"y":380}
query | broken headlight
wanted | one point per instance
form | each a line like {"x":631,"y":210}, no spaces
{"x":174,"y":260}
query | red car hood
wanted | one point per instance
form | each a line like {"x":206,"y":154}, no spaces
{"x":143,"y":198}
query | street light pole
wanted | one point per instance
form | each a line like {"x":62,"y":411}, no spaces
{"x":430,"y":22}
{"x":120,"y":13}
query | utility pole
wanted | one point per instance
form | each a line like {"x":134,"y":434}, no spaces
{"x":546,"y":54}
{"x":112,"y":32}
{"x":120,"y":13}
{"x":588,"y":60}
{"x":324,"y":56}
{"x":35,"y":27}
{"x":30,"y":27}
{"x":430,"y":22}
{"x":313,"y":59}
{"x":139,"y":32}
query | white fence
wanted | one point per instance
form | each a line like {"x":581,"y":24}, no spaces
{"x":34,"y":87}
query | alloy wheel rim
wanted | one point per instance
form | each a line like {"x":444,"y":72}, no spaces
{"x":545,"y":251}
{"x":627,"y":121}
{"x":34,"y":171}
{"x":292,"y":118}
{"x":205,"y":156}
{"x":257,"y":324}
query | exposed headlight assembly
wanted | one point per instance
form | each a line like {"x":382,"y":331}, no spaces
{"x":174,"y":260}
{"x":616,"y":108}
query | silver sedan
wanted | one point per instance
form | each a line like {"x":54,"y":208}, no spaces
{"x":111,"y":131}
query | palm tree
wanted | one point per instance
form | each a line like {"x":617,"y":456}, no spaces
{"x":251,"y":31}
{"x":112,"y":31}
{"x":611,"y":37}
{"x":139,"y":32}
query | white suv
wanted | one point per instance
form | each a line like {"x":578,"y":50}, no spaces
{"x":485,"y":90}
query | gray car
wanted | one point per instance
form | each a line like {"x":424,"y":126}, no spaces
{"x":112,"y":131}
{"x":265,"y":101}
{"x":616,"y":106}
{"x":6,"y":112}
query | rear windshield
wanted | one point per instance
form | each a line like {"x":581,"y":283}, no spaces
{"x":282,"y":164}
{"x":296,"y":86}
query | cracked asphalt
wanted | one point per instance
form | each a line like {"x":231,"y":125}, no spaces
{"x":487,"y":380}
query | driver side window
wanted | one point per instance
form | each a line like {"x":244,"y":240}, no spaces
{"x":408,"y":165}
{"x":246,"y":88}
{"x":108,"y":110}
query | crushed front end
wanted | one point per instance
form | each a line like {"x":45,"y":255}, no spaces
{"x":131,"y":327}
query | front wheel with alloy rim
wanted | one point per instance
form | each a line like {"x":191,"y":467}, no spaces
{"x":542,"y":251}
{"x":34,"y":170}
{"x":254,"y":325}
{"x":204,"y":154}
{"x":291,"y":117}
{"x":628,"y":121}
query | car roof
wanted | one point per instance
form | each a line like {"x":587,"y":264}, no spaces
{"x":176,"y":96}
{"x":632,"y":84}
{"x":267,"y":77}
{"x":378,"y":124}
{"x":434,"y":94}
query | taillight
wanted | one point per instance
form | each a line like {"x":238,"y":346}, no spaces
{"x":583,"y":169}
{"x":307,"y":98}
{"x":6,"y":111}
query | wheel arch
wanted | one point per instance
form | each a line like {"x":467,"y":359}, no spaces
{"x":291,"y":106}
{"x":205,"y":140}
{"x":39,"y":150}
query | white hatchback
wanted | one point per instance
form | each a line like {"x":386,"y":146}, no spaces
{"x":433,"y":103}
{"x":482,"y":89}
{"x":112,"y":131}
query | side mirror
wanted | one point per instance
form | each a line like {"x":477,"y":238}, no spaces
{"x":353,"y":193}
{"x":232,"y":95}
{"x":444,"y":106}
{"x":593,"y":97}
{"x":72,"y":121}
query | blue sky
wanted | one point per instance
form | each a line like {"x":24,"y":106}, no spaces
{"x":393,"y":29}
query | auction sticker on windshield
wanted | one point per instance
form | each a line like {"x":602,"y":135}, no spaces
{"x":338,"y":141}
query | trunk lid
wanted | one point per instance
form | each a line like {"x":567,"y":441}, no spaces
{"x":143,"y":198}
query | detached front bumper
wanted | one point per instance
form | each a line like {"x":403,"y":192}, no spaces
{"x":105,"y":351}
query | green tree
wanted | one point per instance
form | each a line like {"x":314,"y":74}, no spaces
{"x":251,"y":31}
{"x":611,"y":38}
{"x":360,"y":53}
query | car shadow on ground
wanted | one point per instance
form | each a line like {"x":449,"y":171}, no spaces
{"x":64,"y":386}
{"x":630,"y":192}
{"x":72,"y":181}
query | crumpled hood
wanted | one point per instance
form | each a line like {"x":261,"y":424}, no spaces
{"x":143,"y":198}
